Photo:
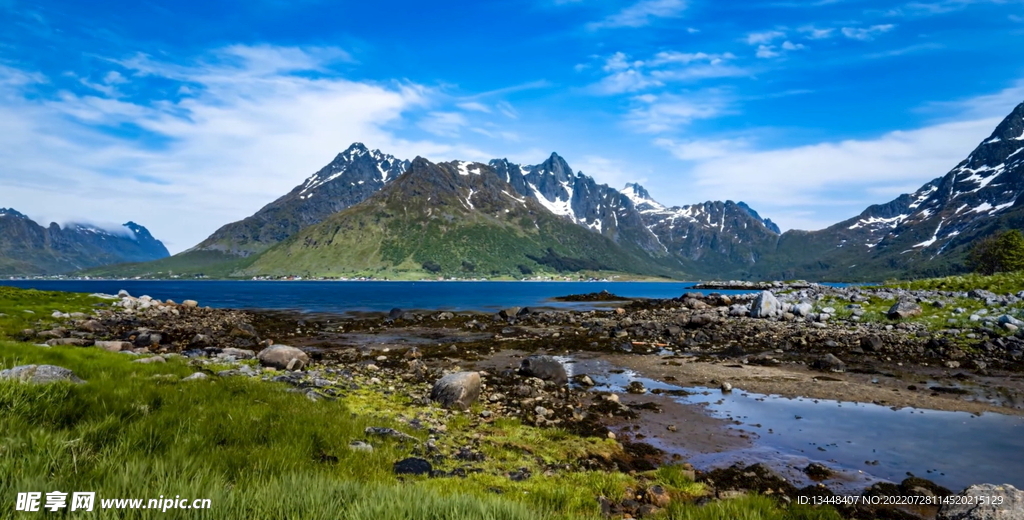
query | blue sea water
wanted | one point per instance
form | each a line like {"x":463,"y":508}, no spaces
{"x":343,"y":297}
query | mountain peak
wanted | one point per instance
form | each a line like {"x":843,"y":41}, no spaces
{"x":766,"y":221}
{"x":556,"y":166}
{"x":635,"y":191}
{"x":1011,"y":128}
{"x":10,"y":212}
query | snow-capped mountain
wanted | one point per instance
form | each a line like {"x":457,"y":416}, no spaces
{"x":452,"y":218}
{"x":926,"y":232}
{"x":349,"y":179}
{"x":582,"y":200}
{"x":713,"y":236}
{"x":26,"y":248}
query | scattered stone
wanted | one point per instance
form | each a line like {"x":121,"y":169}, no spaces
{"x":726,"y":387}
{"x":150,"y":360}
{"x":114,"y":346}
{"x":871,"y":343}
{"x":458,"y":390}
{"x":40,"y":374}
{"x":197,"y":376}
{"x":636,"y":387}
{"x":413,"y":466}
{"x":76,"y":342}
{"x":546,"y":368}
{"x":818,"y":471}
{"x":829,"y":363}
{"x":361,"y":446}
{"x":766,"y":305}
{"x":237,"y":353}
{"x":190,"y":304}
{"x":283,"y":357}
{"x":583,"y":380}
{"x":389,"y":433}
{"x":984,"y":506}
{"x":903,"y":310}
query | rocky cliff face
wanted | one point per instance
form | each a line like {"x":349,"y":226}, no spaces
{"x":26,"y":248}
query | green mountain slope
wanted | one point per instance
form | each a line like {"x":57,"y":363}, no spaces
{"x":447,"y":219}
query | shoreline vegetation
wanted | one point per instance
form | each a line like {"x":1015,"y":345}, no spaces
{"x":337,"y":431}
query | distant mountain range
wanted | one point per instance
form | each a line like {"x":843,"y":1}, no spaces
{"x":370,"y":213}
{"x":26,"y":248}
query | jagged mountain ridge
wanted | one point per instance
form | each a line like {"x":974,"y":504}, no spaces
{"x":27,"y":248}
{"x":349,"y":179}
{"x":707,"y":238}
{"x":454,"y":217}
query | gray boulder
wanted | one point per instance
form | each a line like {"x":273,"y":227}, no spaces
{"x":1010,"y":504}
{"x":40,"y":374}
{"x":1007,"y":319}
{"x":765,"y":305}
{"x":197,"y":376}
{"x":829,"y":363}
{"x":114,"y":346}
{"x":903,"y":310}
{"x":237,"y":353}
{"x":283,"y":357}
{"x":801,"y":309}
{"x":458,"y":390}
{"x":546,"y":368}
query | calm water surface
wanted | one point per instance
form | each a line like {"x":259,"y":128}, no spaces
{"x":343,"y":297}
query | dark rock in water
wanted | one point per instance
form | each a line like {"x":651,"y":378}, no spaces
{"x":988,"y":502}
{"x":902,"y":310}
{"x":871,"y":343}
{"x":829,"y":363}
{"x":817,"y":471}
{"x":636,"y":387}
{"x":40,"y":374}
{"x":458,"y":390}
{"x":413,"y":466}
{"x":395,"y":313}
{"x":546,"y":368}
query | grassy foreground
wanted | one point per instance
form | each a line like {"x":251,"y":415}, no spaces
{"x":258,"y":451}
{"x":999,"y":283}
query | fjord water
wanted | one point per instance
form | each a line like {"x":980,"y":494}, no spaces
{"x":343,"y":297}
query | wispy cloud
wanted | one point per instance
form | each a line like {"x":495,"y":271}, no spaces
{"x":756,"y":38}
{"x":660,"y":113}
{"x":641,"y":14}
{"x":814,"y":33}
{"x":816,"y":185}
{"x":444,"y":124}
{"x":866,"y":33}
{"x":251,"y":124}
{"x":624,"y":74}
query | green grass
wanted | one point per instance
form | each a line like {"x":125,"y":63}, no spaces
{"x":1000,"y":283}
{"x":40,"y":306}
{"x":258,"y":451}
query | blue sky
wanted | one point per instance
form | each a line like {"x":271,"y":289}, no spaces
{"x":186,"y":115}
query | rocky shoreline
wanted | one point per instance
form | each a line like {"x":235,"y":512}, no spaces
{"x":794,"y":339}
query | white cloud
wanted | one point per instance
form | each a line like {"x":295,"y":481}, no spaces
{"x":474,"y":106}
{"x":629,"y":75}
{"x":766,"y":51}
{"x":641,"y":13}
{"x":758,"y":38}
{"x":814,"y":186}
{"x":866,"y":33}
{"x":659,"y":113}
{"x":790,"y":46}
{"x":703,"y":150}
{"x":254,"y":123}
{"x":444,"y":124}
{"x":814,"y":33}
